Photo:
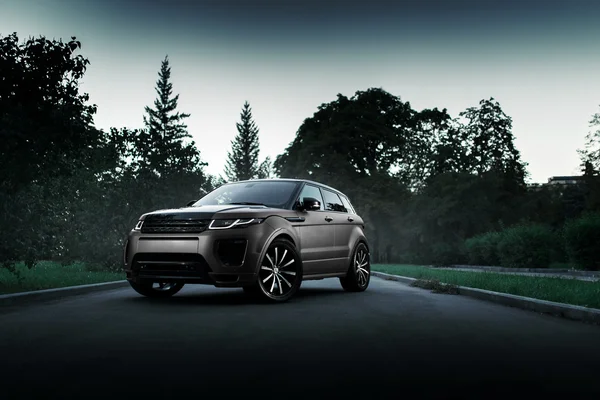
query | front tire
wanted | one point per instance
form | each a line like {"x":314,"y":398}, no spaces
{"x":359,"y":273}
{"x":156,"y":289}
{"x":279,"y":274}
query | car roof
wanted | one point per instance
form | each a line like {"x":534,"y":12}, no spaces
{"x":292,"y":180}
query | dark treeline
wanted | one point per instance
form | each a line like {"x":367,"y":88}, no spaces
{"x":433,"y":189}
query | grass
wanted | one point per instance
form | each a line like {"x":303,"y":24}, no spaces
{"x":569,"y":291}
{"x":50,"y":275}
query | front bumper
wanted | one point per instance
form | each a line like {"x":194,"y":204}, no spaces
{"x":223,"y":258}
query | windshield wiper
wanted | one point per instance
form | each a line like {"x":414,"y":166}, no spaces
{"x":247,"y":203}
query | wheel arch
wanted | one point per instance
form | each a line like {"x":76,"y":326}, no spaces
{"x":287,"y":237}
{"x":282,"y":230}
{"x":358,"y":237}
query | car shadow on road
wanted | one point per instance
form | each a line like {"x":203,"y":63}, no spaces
{"x":235,"y":297}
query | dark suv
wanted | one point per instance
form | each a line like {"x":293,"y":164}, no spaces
{"x":265,"y":235}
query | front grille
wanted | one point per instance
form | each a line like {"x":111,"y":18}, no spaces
{"x":181,"y":265}
{"x":175,"y":226}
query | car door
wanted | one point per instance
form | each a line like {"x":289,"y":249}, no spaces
{"x":316,"y":236}
{"x":343,"y":222}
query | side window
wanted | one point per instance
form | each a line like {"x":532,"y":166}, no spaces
{"x":333,"y":202}
{"x":347,"y":204}
{"x":311,"y":191}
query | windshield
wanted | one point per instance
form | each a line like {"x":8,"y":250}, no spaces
{"x":271,"y":194}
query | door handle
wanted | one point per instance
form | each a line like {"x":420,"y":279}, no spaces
{"x":328,"y":219}
{"x":350,"y":219}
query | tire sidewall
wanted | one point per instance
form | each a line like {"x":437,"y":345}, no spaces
{"x":353,"y":272}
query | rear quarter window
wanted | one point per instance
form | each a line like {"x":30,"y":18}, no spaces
{"x":333,"y":201}
{"x":347,"y":204}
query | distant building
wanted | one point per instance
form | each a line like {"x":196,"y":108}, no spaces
{"x":557,"y":181}
{"x":565,"y":180}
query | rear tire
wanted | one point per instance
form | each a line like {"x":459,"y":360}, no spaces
{"x":163,"y":290}
{"x":359,"y":273}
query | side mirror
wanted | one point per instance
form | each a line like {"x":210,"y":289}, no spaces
{"x":191,"y":202}
{"x":310,"y":204}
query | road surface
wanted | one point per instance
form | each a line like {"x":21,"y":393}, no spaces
{"x":391,"y":342}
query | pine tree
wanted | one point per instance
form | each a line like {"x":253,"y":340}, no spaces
{"x":162,"y":146}
{"x":242,"y":160}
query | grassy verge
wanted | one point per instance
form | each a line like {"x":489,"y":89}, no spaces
{"x":50,"y":275}
{"x":569,"y":291}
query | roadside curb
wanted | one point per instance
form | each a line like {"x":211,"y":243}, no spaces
{"x":576,"y":313}
{"x":548,"y":271}
{"x":57,"y":293}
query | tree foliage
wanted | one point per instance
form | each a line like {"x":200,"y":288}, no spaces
{"x":582,"y":236}
{"x":265,"y":170}
{"x":46,"y":124}
{"x":490,"y":142}
{"x":354,"y":137}
{"x":165,"y":147}
{"x":590,"y":154}
{"x":590,"y":164}
{"x":242,"y":161}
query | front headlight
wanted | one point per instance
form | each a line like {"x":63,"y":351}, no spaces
{"x":138,"y":226}
{"x":230,"y":223}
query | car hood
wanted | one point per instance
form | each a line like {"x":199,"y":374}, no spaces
{"x":214,"y":211}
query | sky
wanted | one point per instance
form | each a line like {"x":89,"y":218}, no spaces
{"x":539,"y":59}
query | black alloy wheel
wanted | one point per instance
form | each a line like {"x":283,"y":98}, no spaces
{"x":359,"y":272}
{"x":280,"y":273}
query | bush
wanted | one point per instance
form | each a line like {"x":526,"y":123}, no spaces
{"x":473,"y":247}
{"x":582,"y":241}
{"x":444,"y":254}
{"x":528,"y":246}
{"x":483,"y":249}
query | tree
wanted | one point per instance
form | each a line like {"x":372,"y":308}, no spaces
{"x":363,"y":136}
{"x":48,"y":145}
{"x":242,"y":161}
{"x":265,"y":170}
{"x":437,"y":148}
{"x":46,"y":124}
{"x":590,"y":154}
{"x":490,"y":142}
{"x":165,"y":147}
{"x":590,"y":164}
{"x":450,"y":150}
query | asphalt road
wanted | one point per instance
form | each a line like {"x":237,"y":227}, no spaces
{"x":391,"y":342}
